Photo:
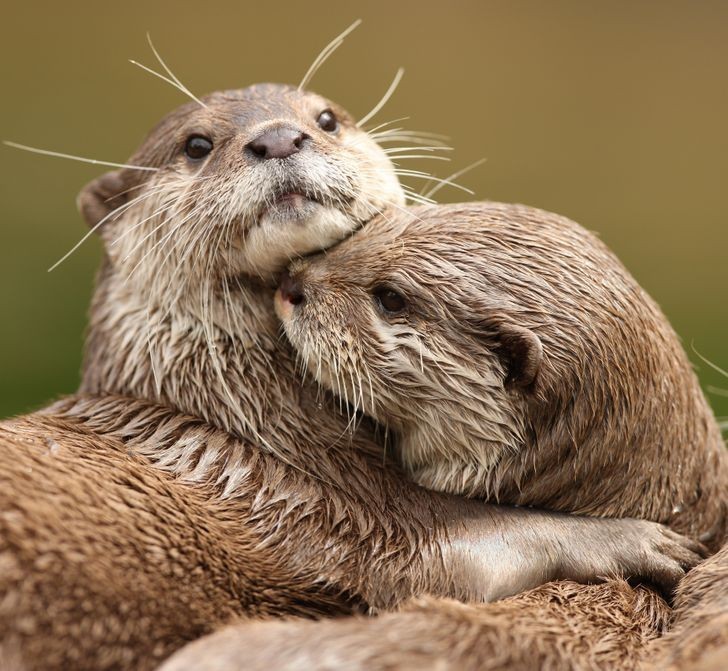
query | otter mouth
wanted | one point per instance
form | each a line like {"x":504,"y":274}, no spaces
{"x":290,"y":205}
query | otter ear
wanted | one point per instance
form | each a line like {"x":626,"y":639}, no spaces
{"x":101,"y":197}
{"x":519,"y":349}
{"x":522,"y":353}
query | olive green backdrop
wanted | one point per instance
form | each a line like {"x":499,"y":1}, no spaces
{"x":613,"y":113}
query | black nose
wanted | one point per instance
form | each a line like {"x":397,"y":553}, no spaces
{"x":278,"y":142}
{"x":291,"y":290}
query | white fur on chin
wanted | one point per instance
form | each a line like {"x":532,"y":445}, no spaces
{"x":273,"y":243}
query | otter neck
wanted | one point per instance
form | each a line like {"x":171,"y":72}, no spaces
{"x":221,"y":359}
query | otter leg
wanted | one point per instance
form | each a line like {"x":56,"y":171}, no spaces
{"x":500,"y":551}
{"x":557,"y":626}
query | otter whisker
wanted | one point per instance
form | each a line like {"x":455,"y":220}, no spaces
{"x":325,"y":53}
{"x":414,"y":197}
{"x":113,"y":214}
{"x":72,"y":157}
{"x":125,"y":192}
{"x":139,"y":223}
{"x":386,"y":133}
{"x":386,"y":123}
{"x":455,"y":175}
{"x":185,"y":277}
{"x":371,"y":389}
{"x":419,"y":133}
{"x":189,"y":199}
{"x":385,"y":98}
{"x":409,"y":136}
{"x":399,"y":157}
{"x":144,"y":239}
{"x":397,"y":150}
{"x":417,"y":174}
{"x":410,"y":193}
{"x":707,"y":361}
{"x":157,"y":244}
{"x":361,"y":391}
{"x":173,"y":80}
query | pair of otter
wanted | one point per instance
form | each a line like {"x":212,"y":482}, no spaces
{"x":263,"y":501}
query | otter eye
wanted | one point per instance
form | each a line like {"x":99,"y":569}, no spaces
{"x":327,"y":121}
{"x":391,"y":301}
{"x":197,"y":146}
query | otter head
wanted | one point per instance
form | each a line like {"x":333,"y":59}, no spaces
{"x":239,"y":184}
{"x":404,"y":322}
{"x":218,"y":199}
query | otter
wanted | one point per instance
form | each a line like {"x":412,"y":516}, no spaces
{"x":193,"y":478}
{"x":515,"y":360}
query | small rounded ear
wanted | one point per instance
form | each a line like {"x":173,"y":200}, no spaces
{"x":98,"y":199}
{"x":522,"y":353}
{"x":519,"y":349}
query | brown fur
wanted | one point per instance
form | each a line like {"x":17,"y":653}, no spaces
{"x":698,"y":640}
{"x":262,"y":500}
{"x":101,"y":555}
{"x":557,"y":626}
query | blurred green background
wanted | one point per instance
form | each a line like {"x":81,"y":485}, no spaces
{"x":615,"y":114}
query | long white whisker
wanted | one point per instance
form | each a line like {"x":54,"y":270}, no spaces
{"x":397,"y":150}
{"x":93,"y":161}
{"x":145,"y":238}
{"x":708,"y":362}
{"x":455,"y":175}
{"x":325,"y":53}
{"x":426,"y":156}
{"x":146,"y":68}
{"x":386,"y":123}
{"x":139,"y":223}
{"x":390,"y":91}
{"x":416,"y":198}
{"x":420,"y":175}
{"x":392,"y":133}
{"x":118,"y":211}
{"x":175,"y":80}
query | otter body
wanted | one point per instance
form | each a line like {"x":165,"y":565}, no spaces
{"x":108,"y":563}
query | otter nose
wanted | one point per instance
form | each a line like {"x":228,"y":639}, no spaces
{"x":291,"y":290}
{"x":278,"y":142}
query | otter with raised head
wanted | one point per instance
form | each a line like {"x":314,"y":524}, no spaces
{"x":262,"y":502}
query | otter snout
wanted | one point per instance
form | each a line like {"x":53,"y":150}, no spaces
{"x":278,"y":142}
{"x":291,"y":290}
{"x":289,"y":294}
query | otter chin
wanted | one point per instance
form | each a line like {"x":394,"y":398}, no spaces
{"x":513,"y":358}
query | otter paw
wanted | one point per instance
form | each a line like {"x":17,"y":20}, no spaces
{"x":661,"y":557}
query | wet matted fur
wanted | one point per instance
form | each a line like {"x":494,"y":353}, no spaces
{"x":261,"y":500}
